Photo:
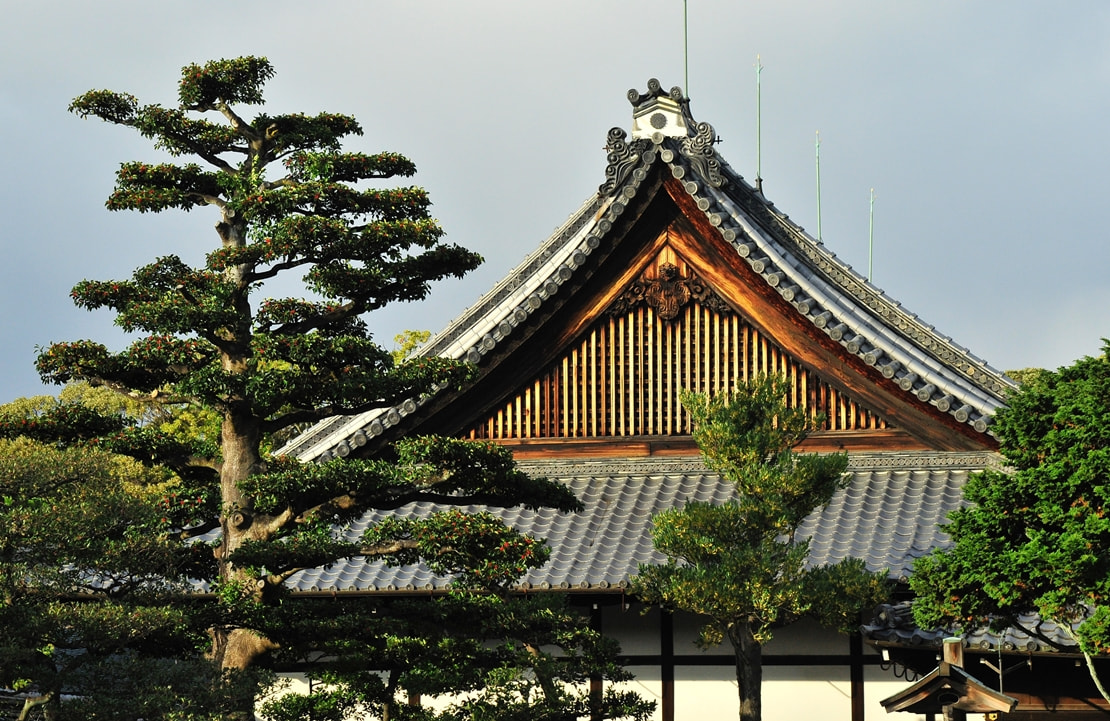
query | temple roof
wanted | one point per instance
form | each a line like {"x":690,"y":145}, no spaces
{"x":888,"y":515}
{"x":823,"y":293}
{"x":893,"y":626}
{"x":669,"y":176}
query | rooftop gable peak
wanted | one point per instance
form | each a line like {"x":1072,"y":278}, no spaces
{"x":664,"y":128}
{"x":688,"y":177}
{"x":657,"y":114}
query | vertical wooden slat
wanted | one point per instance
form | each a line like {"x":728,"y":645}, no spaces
{"x":577,"y":397}
{"x":595,"y":379}
{"x":644,"y":388}
{"x":564,"y":390}
{"x":531,"y":404}
{"x":623,"y":370}
{"x":686,"y":343}
{"x":660,"y":374}
{"x":668,"y":390}
{"x":625,"y":375}
{"x":606,"y":383}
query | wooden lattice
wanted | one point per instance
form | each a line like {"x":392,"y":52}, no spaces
{"x":623,"y":377}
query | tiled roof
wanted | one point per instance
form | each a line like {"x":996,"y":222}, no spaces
{"x":893,"y":626}
{"x":888,"y":515}
{"x":820,"y":287}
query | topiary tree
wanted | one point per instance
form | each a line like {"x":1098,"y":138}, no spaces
{"x":288,"y":199}
{"x":740,"y":564}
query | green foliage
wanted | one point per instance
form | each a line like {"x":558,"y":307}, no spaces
{"x":508,"y":657}
{"x":130,"y":687}
{"x":85,"y":569}
{"x":1025,"y":376}
{"x":220,"y":376}
{"x":407,"y":342}
{"x":1036,"y":537}
{"x":239,"y":80}
{"x":738,"y":564}
{"x":477,"y":547}
{"x":748,"y":438}
{"x":359,"y":247}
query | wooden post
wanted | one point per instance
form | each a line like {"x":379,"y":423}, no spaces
{"x":666,"y":662}
{"x":952,"y":653}
{"x":596,"y":690}
{"x":855,"y":675}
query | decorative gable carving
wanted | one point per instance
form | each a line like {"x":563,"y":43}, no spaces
{"x":667,"y":293}
{"x":668,"y":331}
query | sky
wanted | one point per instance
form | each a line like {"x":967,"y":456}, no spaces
{"x":980,"y":127}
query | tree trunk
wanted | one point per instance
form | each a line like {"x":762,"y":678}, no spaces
{"x":238,"y":649}
{"x":749,"y":670}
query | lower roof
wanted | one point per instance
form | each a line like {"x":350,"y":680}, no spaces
{"x":888,"y":515}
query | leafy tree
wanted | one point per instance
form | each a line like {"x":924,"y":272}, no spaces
{"x":289,"y":199}
{"x":407,"y":342}
{"x":740,"y":563}
{"x":1035,"y":538}
{"x":64,"y":511}
{"x":1024,"y":376}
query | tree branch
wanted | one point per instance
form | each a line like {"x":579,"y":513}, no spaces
{"x":335,"y":409}
{"x":389,"y":549}
{"x":237,"y":123}
{"x":343,"y":312}
{"x":1090,"y":662}
{"x":254,"y":276}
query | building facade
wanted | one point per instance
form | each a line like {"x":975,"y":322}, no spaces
{"x":677,"y":274}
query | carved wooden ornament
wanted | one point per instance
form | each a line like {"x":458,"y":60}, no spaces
{"x":667,"y":293}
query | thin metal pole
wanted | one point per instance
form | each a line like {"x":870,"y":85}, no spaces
{"x":871,"y":237}
{"x":818,"y":158}
{"x":686,"y":46}
{"x":758,"y":128}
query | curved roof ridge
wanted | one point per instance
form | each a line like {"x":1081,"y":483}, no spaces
{"x":475,"y":331}
{"x":815,"y":251}
{"x":814,"y":281}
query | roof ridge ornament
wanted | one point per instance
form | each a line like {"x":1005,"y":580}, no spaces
{"x":699,"y":149}
{"x":657,"y":115}
{"x":655,"y":90}
{"x":623,"y":158}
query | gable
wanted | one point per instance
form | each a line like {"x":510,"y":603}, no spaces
{"x":572,"y":356}
{"x":664,"y":331}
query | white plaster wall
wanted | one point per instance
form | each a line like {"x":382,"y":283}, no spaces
{"x":801,"y":693}
{"x":790,"y":693}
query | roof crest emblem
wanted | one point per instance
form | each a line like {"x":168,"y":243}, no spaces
{"x":699,"y":149}
{"x":667,"y":293}
{"x":658,"y":116}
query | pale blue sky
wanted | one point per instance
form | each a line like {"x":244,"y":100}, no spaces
{"x":980,"y":125}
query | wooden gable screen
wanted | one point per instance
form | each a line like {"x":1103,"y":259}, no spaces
{"x":666,"y":332}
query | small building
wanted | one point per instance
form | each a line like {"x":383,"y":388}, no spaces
{"x":679,"y":273}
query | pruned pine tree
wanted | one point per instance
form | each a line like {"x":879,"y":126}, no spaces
{"x":289,"y":199}
{"x":740,"y":564}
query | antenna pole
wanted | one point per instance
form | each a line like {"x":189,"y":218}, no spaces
{"x":818,"y":159}
{"x":758,"y":128}
{"x":686,"y":46}
{"x":871,"y":236}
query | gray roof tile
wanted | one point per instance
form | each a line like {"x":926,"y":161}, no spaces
{"x":830,"y":293}
{"x":878,"y":517}
{"x":893,"y":625}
